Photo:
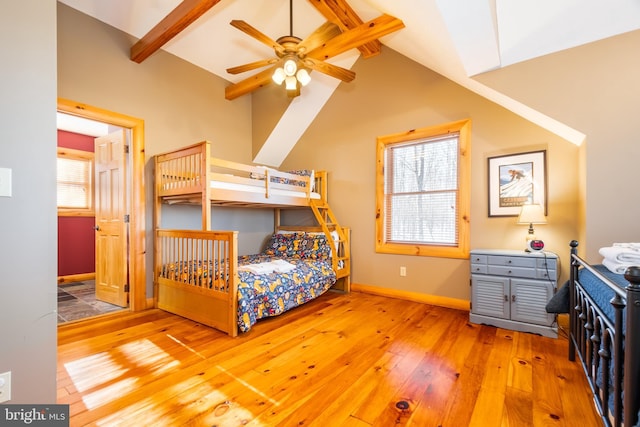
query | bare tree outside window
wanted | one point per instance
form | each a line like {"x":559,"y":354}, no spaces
{"x":422,"y":201}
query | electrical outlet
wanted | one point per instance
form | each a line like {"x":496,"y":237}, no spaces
{"x":403,"y":271}
{"x":5,"y":386}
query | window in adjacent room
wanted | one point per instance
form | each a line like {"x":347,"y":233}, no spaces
{"x":75,"y":182}
{"x":422,"y":191}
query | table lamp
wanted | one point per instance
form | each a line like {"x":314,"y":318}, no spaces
{"x":531,"y":214}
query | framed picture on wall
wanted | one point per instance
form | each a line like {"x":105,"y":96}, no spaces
{"x":517,"y":179}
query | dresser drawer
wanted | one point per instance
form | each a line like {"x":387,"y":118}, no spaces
{"x":549,"y":263}
{"x":478,"y":259}
{"x":479,"y":268}
{"x":512,"y":261}
{"x":547,"y":274}
{"x":511,"y":271}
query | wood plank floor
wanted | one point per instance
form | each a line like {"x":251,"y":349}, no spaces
{"x":341,"y":360}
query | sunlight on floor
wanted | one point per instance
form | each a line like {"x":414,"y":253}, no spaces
{"x":195,"y":398}
{"x":108,"y":393}
{"x":146,"y":354}
{"x":185,"y":346}
{"x":103,"y":363}
{"x":249,"y":386}
{"x":229,"y":414}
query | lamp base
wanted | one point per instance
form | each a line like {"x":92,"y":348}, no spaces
{"x":528,"y":239}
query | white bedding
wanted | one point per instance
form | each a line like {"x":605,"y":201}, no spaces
{"x":278,"y":265}
{"x":221,"y":185}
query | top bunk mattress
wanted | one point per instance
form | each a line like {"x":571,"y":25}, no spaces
{"x":233,"y":186}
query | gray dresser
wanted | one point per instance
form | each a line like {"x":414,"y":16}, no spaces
{"x":509,"y":289}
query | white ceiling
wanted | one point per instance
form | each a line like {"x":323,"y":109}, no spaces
{"x":455,"y":38}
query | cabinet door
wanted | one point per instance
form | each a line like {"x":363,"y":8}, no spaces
{"x":528,"y":301}
{"x":490,"y":296}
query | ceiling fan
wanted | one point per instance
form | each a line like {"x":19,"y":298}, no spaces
{"x":294,"y":57}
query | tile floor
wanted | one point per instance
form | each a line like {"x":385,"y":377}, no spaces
{"x":78,"y":301}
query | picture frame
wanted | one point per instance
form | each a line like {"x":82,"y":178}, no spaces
{"x":516,"y":179}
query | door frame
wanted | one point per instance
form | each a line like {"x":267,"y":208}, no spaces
{"x":136,"y":198}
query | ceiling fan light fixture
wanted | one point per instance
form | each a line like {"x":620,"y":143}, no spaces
{"x":291,"y":83}
{"x":290,"y":67}
{"x":278,"y":76}
{"x":303,"y":76}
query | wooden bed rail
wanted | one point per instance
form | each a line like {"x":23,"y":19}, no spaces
{"x":196,"y":276}
{"x":179,"y":172}
{"x":190,"y":175}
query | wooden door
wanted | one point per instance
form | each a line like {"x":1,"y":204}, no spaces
{"x":111,"y":227}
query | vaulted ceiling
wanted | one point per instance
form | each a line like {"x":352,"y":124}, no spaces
{"x":455,"y":38}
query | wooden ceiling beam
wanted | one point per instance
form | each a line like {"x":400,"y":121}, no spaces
{"x":340,"y":13}
{"x":364,"y":33}
{"x":171,"y":25}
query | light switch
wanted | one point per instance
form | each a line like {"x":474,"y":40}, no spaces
{"x":5,"y":182}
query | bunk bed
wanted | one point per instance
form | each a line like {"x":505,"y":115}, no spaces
{"x":604,"y":331}
{"x":199,"y":274}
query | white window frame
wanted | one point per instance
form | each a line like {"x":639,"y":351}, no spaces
{"x":460,"y":247}
{"x":85,"y":156}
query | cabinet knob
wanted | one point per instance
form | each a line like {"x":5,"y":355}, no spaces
{"x":506,"y":298}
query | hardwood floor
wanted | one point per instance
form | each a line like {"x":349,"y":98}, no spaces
{"x":341,"y":360}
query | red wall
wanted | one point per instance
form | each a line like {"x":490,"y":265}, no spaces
{"x":76,"y":237}
{"x":76,"y":245}
{"x":75,"y":141}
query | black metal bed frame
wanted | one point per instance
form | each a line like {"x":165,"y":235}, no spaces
{"x":603,"y":347}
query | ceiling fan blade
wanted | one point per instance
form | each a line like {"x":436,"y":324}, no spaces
{"x":363,"y":33}
{"x":330,"y":69}
{"x":251,"y":66}
{"x":322,"y":34}
{"x":256,"y":34}
{"x":250,"y":84}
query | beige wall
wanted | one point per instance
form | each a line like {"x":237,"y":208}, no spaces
{"x":28,"y":219}
{"x":392,"y":94}
{"x":180,"y":103}
{"x":594,"y":89}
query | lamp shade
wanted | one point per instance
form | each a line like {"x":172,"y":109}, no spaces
{"x":278,"y":76}
{"x":303,"y":76}
{"x":290,"y":83}
{"x":290,"y":67}
{"x":532,"y":214}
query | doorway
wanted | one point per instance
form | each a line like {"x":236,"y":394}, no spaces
{"x":92,"y":204}
{"x":132,"y":259}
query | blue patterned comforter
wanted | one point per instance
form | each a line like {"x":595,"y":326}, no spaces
{"x":265,"y":295}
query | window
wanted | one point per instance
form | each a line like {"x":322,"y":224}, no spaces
{"x":75,"y":182}
{"x":422,"y":191}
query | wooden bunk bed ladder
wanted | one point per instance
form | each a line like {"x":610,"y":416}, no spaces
{"x":328,"y":222}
